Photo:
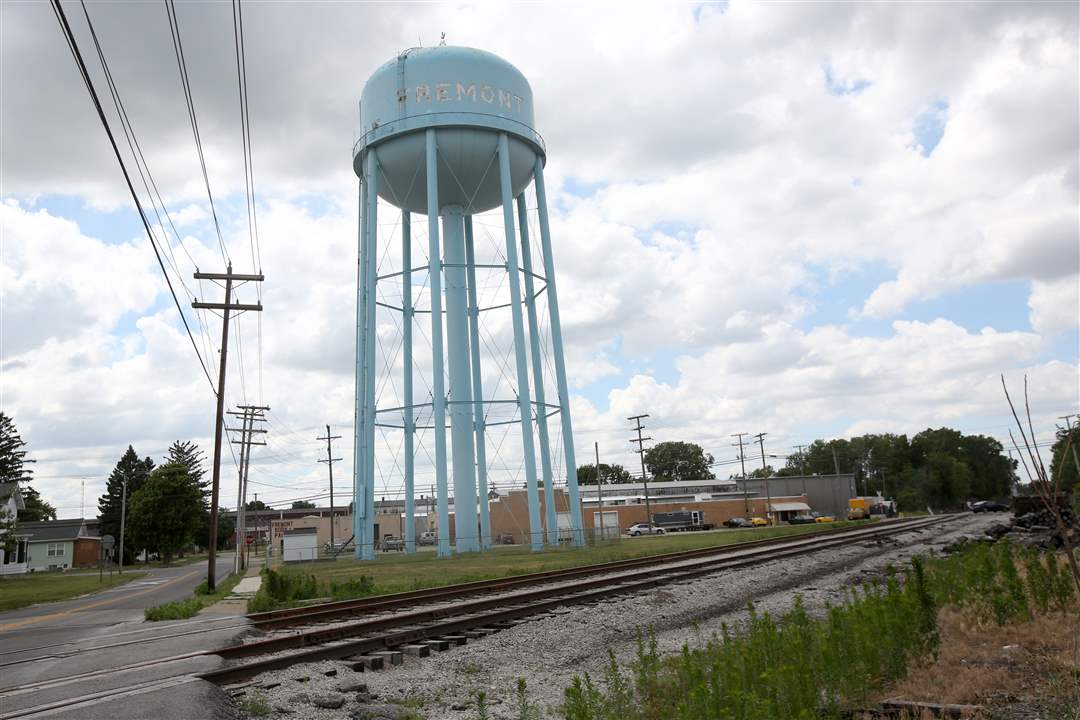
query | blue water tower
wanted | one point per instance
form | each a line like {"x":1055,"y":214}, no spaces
{"x":448,"y":132}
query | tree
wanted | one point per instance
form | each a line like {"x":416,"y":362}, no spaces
{"x":226,"y":529}
{"x":1063,"y":466}
{"x":135,"y":471}
{"x":761,"y":473}
{"x":256,"y":505}
{"x":13,"y":462}
{"x":165,"y":511}
{"x":676,"y":460}
{"x":609,"y":474}
{"x":301,"y":505}
{"x":191,"y":457}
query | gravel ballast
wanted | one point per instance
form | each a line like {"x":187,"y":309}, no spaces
{"x":549,"y":651}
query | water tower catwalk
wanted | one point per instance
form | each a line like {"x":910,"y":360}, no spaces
{"x":447,"y":132}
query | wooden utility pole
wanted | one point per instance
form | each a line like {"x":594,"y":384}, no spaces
{"x":1068,"y":428}
{"x":330,"y":460}
{"x":599,"y":488}
{"x":644,"y":477}
{"x":249,"y":414}
{"x":742,"y":463}
{"x":765,"y":469}
{"x":225,"y":307}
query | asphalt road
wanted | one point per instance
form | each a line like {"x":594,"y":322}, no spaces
{"x":68,"y":639}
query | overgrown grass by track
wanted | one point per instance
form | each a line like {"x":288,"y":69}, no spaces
{"x":190,"y":607}
{"x":398,"y":573}
{"x":798,"y":666}
{"x":18,"y":591}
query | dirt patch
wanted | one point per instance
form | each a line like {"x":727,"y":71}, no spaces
{"x":1026,"y":670}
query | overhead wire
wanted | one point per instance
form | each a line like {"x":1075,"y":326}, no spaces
{"x":84,"y":72}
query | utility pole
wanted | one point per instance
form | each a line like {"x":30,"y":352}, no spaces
{"x":644,"y":477}
{"x":599,"y":488}
{"x":228,"y":276}
{"x":330,"y":460}
{"x":249,"y":414}
{"x":742,"y":462}
{"x":123,"y":522}
{"x":802,"y":467}
{"x":765,"y":469}
{"x":1068,"y":427}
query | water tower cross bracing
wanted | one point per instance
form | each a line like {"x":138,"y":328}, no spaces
{"x":447,"y":132}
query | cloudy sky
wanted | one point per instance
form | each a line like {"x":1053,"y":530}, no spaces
{"x":811,"y":220}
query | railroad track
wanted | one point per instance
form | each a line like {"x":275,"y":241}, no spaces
{"x":426,"y":618}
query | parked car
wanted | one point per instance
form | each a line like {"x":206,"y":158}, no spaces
{"x":758,"y":522}
{"x":989,"y":506}
{"x":824,"y":519}
{"x":429,"y":537}
{"x":392,"y":542}
{"x":737,"y":522}
{"x":336,"y":547}
{"x":802,"y":520}
{"x":642,"y":528}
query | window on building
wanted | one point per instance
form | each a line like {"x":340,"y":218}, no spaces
{"x":56,"y":550}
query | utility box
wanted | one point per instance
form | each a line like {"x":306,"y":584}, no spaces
{"x":300,"y":545}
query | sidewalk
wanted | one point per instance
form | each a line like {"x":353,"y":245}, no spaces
{"x":236,"y":603}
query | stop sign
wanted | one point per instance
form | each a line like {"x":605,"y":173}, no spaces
{"x":250,"y":540}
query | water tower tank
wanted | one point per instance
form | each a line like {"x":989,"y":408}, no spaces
{"x":447,"y":132}
{"x":470,"y":96}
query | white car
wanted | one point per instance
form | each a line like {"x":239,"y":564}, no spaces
{"x":644,"y":529}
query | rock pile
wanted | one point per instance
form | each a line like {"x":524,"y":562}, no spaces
{"x":1034,"y":529}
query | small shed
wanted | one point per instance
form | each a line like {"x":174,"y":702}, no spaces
{"x":300,"y":545}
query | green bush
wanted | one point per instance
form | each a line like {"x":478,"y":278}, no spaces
{"x":282,"y":589}
{"x":794,"y":666}
{"x":799,"y":667}
{"x":352,"y":588}
{"x":178,"y":610}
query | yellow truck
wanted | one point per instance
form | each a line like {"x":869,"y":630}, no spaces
{"x":858,"y":509}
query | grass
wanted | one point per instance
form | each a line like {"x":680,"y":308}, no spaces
{"x":798,"y":666}
{"x":18,"y":591}
{"x":255,"y":704}
{"x":401,"y":573}
{"x":190,"y":607}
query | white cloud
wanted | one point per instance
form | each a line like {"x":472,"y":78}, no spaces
{"x":729,"y":182}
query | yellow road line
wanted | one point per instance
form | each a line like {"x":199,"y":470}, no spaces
{"x":99,"y":603}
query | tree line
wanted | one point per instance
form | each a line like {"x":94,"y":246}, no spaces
{"x":938,"y":468}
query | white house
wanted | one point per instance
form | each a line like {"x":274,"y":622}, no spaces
{"x":14,"y":554}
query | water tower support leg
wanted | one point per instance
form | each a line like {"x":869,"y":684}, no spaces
{"x":359,"y":498}
{"x":538,"y":377}
{"x":560,"y":360}
{"x":371,"y":221}
{"x":524,"y":404}
{"x":407,"y":379}
{"x":462,"y":427}
{"x":438,"y":388}
{"x":477,"y":387}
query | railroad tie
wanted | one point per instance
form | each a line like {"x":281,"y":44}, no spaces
{"x":439,"y":645}
{"x":416,"y":650}
{"x":455,"y":639}
{"x":393,"y":657}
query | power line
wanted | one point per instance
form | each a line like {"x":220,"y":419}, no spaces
{"x":69,"y":36}
{"x":178,"y":48}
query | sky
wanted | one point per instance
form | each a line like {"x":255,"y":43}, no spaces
{"x":809,"y":220}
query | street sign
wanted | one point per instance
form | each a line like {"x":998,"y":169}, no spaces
{"x":250,"y":540}
{"x":107,"y":542}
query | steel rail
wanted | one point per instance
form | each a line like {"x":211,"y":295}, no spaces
{"x":407,"y":628}
{"x":291,"y":617}
{"x":445,"y":621}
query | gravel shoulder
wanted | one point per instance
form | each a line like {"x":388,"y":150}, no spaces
{"x":550,"y":651}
